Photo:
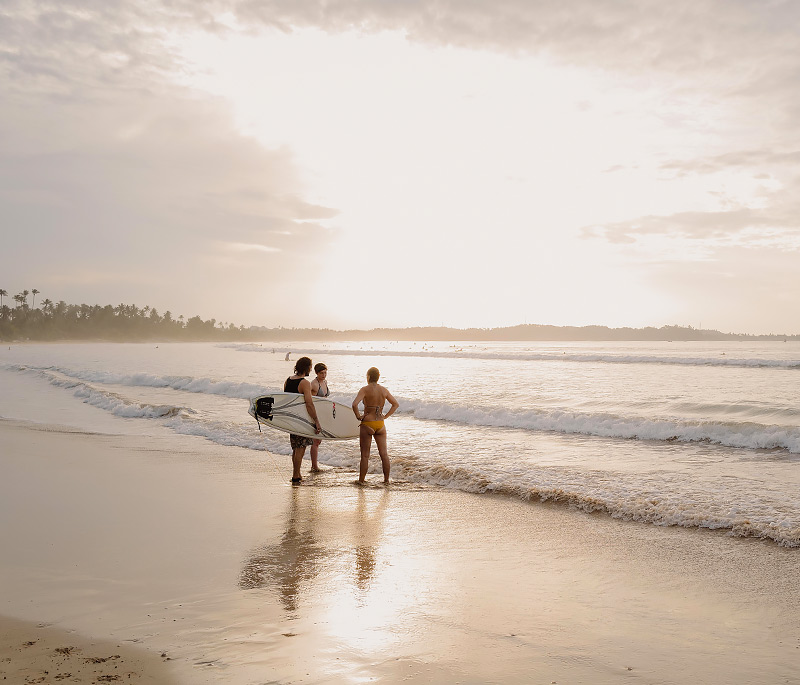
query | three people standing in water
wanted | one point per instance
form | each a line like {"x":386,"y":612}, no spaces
{"x":373,"y":397}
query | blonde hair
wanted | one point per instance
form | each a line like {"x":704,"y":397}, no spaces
{"x":373,"y":374}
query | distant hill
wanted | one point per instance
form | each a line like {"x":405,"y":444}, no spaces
{"x":533,"y":332}
{"x":61,"y":321}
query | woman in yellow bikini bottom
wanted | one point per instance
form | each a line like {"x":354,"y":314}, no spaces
{"x":372,"y":422}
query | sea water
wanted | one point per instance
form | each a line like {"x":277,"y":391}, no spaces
{"x":684,"y":433}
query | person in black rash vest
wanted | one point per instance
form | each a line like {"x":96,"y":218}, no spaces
{"x":298,"y":383}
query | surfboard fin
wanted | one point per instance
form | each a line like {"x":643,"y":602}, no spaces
{"x":264,"y":408}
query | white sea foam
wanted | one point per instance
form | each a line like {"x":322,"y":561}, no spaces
{"x":790,"y":364}
{"x":207,"y":386}
{"x":668,"y":499}
{"x":673,"y":504}
{"x":233,"y":435}
{"x":115,"y":404}
{"x":738,"y":434}
{"x":731,"y":434}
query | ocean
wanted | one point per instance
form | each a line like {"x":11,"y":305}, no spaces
{"x":700,"y":435}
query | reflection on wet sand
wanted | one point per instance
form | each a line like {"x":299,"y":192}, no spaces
{"x":368,"y":533}
{"x":311,"y":546}
{"x":292,"y":564}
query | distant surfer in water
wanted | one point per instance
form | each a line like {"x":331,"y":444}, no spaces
{"x":298,"y":383}
{"x":373,"y":396}
{"x":319,"y":388}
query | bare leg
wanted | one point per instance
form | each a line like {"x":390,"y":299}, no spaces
{"x":314,"y":453}
{"x":297,"y":460}
{"x":380,"y":441}
{"x":365,"y":439}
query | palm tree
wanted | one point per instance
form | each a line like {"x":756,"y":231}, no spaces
{"x":25,"y":294}
{"x":3,"y":293}
{"x":47,"y":305}
{"x":35,"y":293}
{"x":19,"y":310}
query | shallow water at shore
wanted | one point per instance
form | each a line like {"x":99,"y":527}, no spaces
{"x":689,"y":434}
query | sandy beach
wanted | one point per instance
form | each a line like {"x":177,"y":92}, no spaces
{"x":178,"y":560}
{"x":38,"y":653}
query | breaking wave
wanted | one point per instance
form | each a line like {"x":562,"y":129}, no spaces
{"x":116,"y":404}
{"x":206,"y":386}
{"x":747,"y":435}
{"x":738,"y":434}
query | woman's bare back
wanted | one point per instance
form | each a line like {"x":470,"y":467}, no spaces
{"x":374,"y":399}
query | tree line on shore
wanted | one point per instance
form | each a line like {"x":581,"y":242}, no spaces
{"x":123,"y":322}
{"x":61,"y":321}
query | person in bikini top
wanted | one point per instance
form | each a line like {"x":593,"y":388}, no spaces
{"x":319,"y":388}
{"x":373,"y":396}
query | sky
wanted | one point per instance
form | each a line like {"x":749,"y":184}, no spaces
{"x":361,"y":164}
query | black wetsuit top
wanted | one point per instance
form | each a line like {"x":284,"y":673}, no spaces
{"x":292,"y":385}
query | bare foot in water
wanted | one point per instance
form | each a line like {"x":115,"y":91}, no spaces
{"x":361,"y":482}
{"x":315,"y":469}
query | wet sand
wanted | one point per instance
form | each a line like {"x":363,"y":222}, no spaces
{"x":37,"y":653}
{"x":176,"y":546}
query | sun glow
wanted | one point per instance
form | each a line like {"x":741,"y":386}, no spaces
{"x":464,"y":180}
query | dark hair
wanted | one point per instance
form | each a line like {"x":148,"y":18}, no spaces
{"x":320,"y":367}
{"x":302,"y":366}
{"x":373,"y":374}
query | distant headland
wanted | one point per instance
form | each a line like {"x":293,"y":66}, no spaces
{"x":130,"y":323}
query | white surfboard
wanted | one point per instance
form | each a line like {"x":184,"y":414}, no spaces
{"x":287,"y":411}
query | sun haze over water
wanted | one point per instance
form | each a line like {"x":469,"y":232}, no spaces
{"x":361,"y":165}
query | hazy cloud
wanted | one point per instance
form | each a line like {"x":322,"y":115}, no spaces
{"x":111,"y":174}
{"x":759,"y":281}
{"x":627,"y":35}
{"x":696,"y":225}
{"x":754,"y":160}
{"x":703,"y":52}
{"x":104,"y":163}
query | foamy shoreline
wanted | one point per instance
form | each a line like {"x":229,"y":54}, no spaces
{"x":205,"y":553}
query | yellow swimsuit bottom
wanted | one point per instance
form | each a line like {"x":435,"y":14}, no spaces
{"x":375,"y":425}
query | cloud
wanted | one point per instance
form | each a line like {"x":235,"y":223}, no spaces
{"x":695,"y":225}
{"x":245,"y":247}
{"x":742,"y":289}
{"x":107,"y":167}
{"x":739,"y":159}
{"x":767,"y":211}
{"x":628,"y":35}
{"x":701,"y":58}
